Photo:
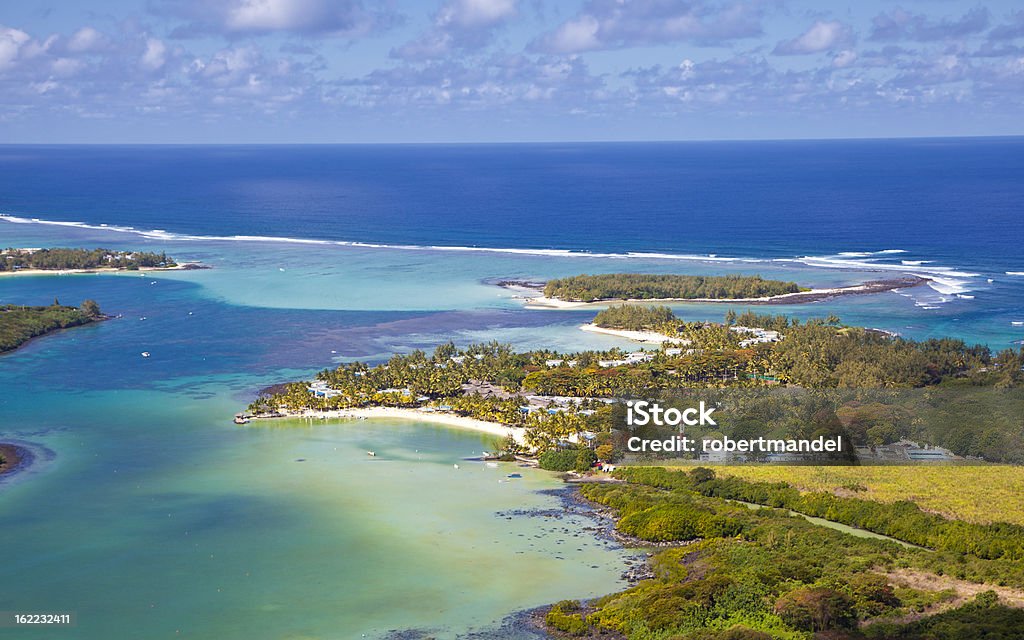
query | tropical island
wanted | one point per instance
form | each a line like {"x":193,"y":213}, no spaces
{"x":19,"y":324}
{"x":768,"y":375}
{"x":65,"y":260}
{"x":591,"y":290}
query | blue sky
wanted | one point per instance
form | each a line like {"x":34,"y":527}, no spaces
{"x":507,"y":70}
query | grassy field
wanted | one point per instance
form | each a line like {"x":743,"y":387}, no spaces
{"x":976,"y":493}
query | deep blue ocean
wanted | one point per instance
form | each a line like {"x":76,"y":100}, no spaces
{"x":955,"y":201}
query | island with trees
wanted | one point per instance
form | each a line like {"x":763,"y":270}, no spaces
{"x":783,"y":565}
{"x":587,"y":289}
{"x":35,"y":261}
{"x":769,"y":375}
{"x":19,"y":324}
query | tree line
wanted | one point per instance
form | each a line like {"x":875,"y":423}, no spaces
{"x":64,"y":258}
{"x":19,"y":324}
{"x":642,"y":286}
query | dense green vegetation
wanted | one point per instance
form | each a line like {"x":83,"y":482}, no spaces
{"x":817,"y":378}
{"x":634,"y":317}
{"x":740,"y":573}
{"x":901,"y":520}
{"x":62,"y":258}
{"x":642,"y":286}
{"x":20,"y":324}
{"x":572,"y":459}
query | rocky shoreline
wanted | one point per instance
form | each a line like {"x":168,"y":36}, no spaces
{"x":15,"y":459}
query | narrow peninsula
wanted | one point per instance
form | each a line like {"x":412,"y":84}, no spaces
{"x":19,"y":324}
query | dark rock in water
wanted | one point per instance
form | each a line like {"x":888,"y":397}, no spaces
{"x":273,"y":389}
{"x":522,"y":625}
{"x":516,"y":284}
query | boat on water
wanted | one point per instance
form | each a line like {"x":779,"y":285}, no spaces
{"x":241,"y":420}
{"x":514,"y":475}
{"x":372,"y":454}
{"x":492,"y":465}
{"x":145,"y":354}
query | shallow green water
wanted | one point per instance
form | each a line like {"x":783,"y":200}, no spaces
{"x":177,"y":524}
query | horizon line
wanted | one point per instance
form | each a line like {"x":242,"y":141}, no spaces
{"x":516,"y":142}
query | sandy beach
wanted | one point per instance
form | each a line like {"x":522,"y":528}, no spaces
{"x":418,"y":415}
{"x":799,"y":297}
{"x":185,"y":266}
{"x":638,"y":336}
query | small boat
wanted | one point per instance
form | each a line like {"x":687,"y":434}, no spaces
{"x":1017,"y":323}
{"x":514,"y":475}
{"x":145,"y":354}
{"x":492,"y":465}
{"x":241,"y":420}
{"x":142,"y":318}
{"x":456,"y":466}
{"x":372,"y":454}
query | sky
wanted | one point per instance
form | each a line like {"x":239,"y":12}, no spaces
{"x":336,"y":71}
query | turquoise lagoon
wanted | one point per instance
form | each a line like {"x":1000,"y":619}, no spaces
{"x":150,"y":515}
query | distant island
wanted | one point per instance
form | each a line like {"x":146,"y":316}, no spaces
{"x":66,"y":260}
{"x":584,"y":290}
{"x":645,"y":286}
{"x":19,"y":324}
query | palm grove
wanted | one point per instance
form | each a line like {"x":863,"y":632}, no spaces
{"x":821,"y":378}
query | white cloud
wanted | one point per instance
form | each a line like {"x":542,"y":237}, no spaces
{"x":11,"y":41}
{"x":579,"y":34}
{"x":86,"y":40}
{"x":476,"y":13}
{"x":844,"y":58}
{"x":459,"y":25}
{"x":257,"y":17}
{"x":155,"y":55}
{"x":822,"y":36}
{"x":612,"y":24}
{"x":67,"y":66}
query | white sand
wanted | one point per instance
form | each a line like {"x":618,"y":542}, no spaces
{"x":439,"y":417}
{"x":95,"y":270}
{"x":639,"y":336}
{"x":543,"y":302}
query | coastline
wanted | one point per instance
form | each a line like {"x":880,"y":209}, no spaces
{"x":638,"y":336}
{"x":395,"y":413}
{"x":97,"y":320}
{"x":184,"y":266}
{"x":800,"y":297}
